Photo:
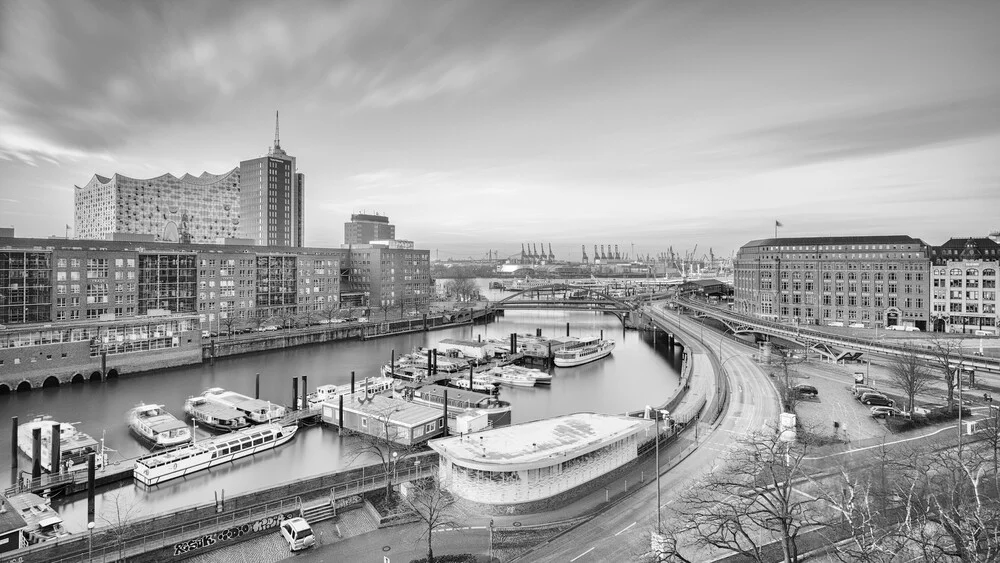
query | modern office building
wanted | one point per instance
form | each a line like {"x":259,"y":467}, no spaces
{"x":964,"y":288}
{"x":389,"y":277}
{"x":197,"y":209}
{"x":272,"y":198}
{"x":364,"y":228}
{"x":863,"y":280}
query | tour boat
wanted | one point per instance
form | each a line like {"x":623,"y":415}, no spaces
{"x":255,"y":410}
{"x":214,"y":416}
{"x":518,"y":376}
{"x":587,"y":350}
{"x":329,"y":393}
{"x":483,"y":384}
{"x":459,"y":401}
{"x":196,"y":456}
{"x":155,"y":426}
{"x":74,"y":446}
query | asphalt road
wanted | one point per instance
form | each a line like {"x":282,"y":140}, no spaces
{"x":622,"y":533}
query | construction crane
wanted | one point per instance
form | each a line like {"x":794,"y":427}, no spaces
{"x":583,"y":247}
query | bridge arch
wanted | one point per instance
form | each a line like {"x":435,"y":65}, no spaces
{"x":23,"y":386}
{"x":77,"y":378}
{"x":553,"y":287}
{"x":51,"y":381}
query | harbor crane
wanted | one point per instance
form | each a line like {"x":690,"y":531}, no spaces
{"x":583,"y":247}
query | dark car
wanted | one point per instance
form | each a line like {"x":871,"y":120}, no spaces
{"x":806,"y":391}
{"x":878,"y":399}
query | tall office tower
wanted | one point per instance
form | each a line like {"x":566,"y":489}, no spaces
{"x":272,"y":198}
{"x":365,"y":228}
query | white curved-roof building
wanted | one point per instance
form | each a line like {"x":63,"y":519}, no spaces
{"x":205,"y":207}
{"x":525,"y":464}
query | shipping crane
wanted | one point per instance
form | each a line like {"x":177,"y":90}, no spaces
{"x":583,"y":247}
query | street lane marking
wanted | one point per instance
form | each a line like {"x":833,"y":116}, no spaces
{"x":581,"y":555}
{"x":626,"y":527}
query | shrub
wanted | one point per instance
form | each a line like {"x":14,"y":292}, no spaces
{"x":943,"y":414}
{"x":450,"y":558}
{"x":897,"y":424}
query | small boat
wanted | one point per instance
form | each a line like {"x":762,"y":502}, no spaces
{"x":214,"y":416}
{"x":158,"y":428}
{"x":329,"y":393}
{"x":483,"y":384}
{"x":196,"y":456}
{"x":255,"y":410}
{"x":74,"y":446}
{"x":586,"y":350}
{"x":515,"y":377}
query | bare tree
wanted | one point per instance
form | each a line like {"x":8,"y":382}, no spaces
{"x":462,"y":289}
{"x":787,"y":378}
{"x":383,"y":442}
{"x":330,"y":312}
{"x":909,"y":373}
{"x":285,"y":316}
{"x":230,"y":321}
{"x":120,"y":516}
{"x":948,"y":355}
{"x":988,"y":447}
{"x":430,"y":502}
{"x":750,"y":502}
{"x":258,"y":320}
{"x":308,"y":317}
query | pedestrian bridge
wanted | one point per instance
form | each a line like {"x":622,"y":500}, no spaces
{"x":834,"y":346}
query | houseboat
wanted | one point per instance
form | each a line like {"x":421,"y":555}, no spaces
{"x":587,"y":350}
{"x":156,"y":427}
{"x":514,"y":376}
{"x":214,"y":416}
{"x":42,"y":522}
{"x":196,"y":456}
{"x":74,"y":446}
{"x":370,"y":386}
{"x":255,"y":410}
{"x":481,"y":383}
{"x":459,"y":401}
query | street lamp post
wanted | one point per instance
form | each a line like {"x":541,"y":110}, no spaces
{"x":90,"y":542}
{"x":394,"y":455}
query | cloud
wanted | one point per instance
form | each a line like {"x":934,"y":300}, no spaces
{"x":872,"y":132}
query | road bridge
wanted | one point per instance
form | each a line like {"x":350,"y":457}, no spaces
{"x":565,"y":297}
{"x":834,"y":346}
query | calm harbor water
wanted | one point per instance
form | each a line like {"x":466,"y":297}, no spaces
{"x":636,"y":373}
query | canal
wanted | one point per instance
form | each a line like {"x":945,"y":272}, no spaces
{"x":637,"y":373}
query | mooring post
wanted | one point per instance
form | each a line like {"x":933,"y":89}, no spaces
{"x":104,"y":365}
{"x":305,"y":391}
{"x":91,"y":467}
{"x":470,"y":376}
{"x":13,"y":445}
{"x":445,"y":413}
{"x":513,"y":343}
{"x":295,"y":393}
{"x":54,"y":445}
{"x":36,"y":453}
{"x":340,"y":416}
{"x":352,"y":382}
{"x":392,"y":362}
{"x":256,"y":389}
{"x":567,"y":329}
{"x":602,"y":334}
{"x":538,"y":332}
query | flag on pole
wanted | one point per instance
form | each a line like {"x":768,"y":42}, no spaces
{"x":777,"y":223}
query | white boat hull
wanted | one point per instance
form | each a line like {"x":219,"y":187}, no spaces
{"x":604,"y":352}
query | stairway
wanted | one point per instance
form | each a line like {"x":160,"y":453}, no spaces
{"x":319,"y":512}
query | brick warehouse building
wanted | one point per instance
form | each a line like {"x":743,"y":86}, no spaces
{"x":862,"y":280}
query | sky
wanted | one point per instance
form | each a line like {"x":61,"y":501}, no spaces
{"x":480,"y":126}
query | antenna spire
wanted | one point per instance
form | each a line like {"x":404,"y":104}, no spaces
{"x":277,"y":145}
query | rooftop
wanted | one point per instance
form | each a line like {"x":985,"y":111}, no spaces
{"x":9,"y":517}
{"x":807,"y":241}
{"x":399,"y":411}
{"x":539,"y":443}
{"x":460,"y":342}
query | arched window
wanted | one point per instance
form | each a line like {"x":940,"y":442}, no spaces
{"x":972,"y":272}
{"x":955,"y":272}
{"x":989,"y":273}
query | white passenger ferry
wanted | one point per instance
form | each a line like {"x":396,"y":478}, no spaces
{"x":156,"y":427}
{"x":74,"y":446}
{"x":587,"y":350}
{"x":370,"y":386}
{"x":257,"y":411}
{"x":178,"y":462}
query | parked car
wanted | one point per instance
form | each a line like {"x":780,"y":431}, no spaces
{"x":206,"y":334}
{"x":806,"y":391}
{"x":895,"y":327}
{"x":857,"y":325}
{"x":858,"y":389}
{"x":876,"y":399}
{"x":298,"y":533}
{"x":885,"y":412}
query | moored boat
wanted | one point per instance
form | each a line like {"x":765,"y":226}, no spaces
{"x":158,"y":428}
{"x":256,"y":411}
{"x":459,"y":401}
{"x":42,"y":522}
{"x":481,"y":383}
{"x":214,"y":416}
{"x":74,"y":446}
{"x":587,"y":350}
{"x":371,"y":386}
{"x":196,"y":456}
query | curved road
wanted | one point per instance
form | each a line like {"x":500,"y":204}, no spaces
{"x":622,"y":533}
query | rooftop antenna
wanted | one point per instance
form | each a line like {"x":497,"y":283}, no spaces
{"x":277,"y":145}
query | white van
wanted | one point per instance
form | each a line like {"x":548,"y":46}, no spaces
{"x":895,"y":327}
{"x":298,"y":533}
{"x":911,"y":329}
{"x":983,"y":333}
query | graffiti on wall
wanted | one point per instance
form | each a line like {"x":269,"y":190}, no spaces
{"x":228,"y":534}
